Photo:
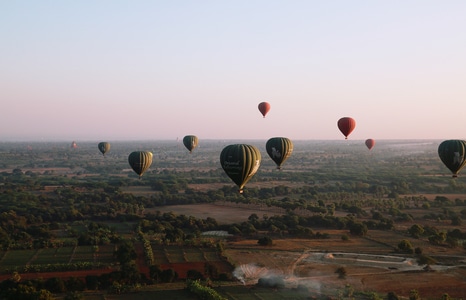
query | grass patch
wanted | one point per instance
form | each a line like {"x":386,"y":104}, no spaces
{"x":175,"y":254}
{"x":51,"y":256}
{"x":123,"y":228}
{"x":194,"y":254}
{"x":17,"y":258}
{"x":211,"y":255}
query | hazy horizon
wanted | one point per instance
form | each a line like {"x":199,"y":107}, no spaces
{"x":180,"y":140}
{"x":158,"y":70}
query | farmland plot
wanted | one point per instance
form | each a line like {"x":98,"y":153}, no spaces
{"x":174,"y":254}
{"x":193,"y":254}
{"x":16,"y":258}
{"x":159,"y":255}
{"x":105,"y":254}
{"x":20,"y":259}
{"x":82,"y":254}
{"x":52,"y":256}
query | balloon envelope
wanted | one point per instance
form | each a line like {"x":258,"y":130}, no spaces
{"x":190,"y":142}
{"x":104,"y":147}
{"x":264,"y":108}
{"x":452,"y":154}
{"x":370,"y":143}
{"x":140,"y":161}
{"x":279,"y":149}
{"x":240,"y":162}
{"x":346,"y":126}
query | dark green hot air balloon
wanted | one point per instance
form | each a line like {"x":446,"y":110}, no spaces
{"x":453,"y":155}
{"x":279,"y":149}
{"x":190,"y":142}
{"x":140,"y":161}
{"x":240,"y":162}
{"x":104,"y":147}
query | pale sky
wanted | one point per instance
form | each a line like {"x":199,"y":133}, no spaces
{"x":132,"y":70}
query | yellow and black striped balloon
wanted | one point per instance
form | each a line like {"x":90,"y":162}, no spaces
{"x":453,"y":155}
{"x":104,"y":147}
{"x":140,"y":161}
{"x":240,"y":162}
{"x":279,"y":149}
{"x":190,"y":142}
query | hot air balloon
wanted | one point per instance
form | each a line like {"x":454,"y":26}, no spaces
{"x":346,"y":126}
{"x":190,"y":142}
{"x":74,"y":145}
{"x":370,"y":143}
{"x":240,"y":162}
{"x":279,"y":149}
{"x":264,"y":108}
{"x":104,"y":147}
{"x":140,"y":161}
{"x":453,"y":155}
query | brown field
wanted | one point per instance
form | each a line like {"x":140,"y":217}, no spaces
{"x":312,"y":263}
{"x":294,"y":259}
{"x":370,"y":266}
{"x":224,"y":213}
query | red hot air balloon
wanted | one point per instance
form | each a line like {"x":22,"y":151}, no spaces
{"x":264,"y":108}
{"x":346,"y":126}
{"x":370,"y":143}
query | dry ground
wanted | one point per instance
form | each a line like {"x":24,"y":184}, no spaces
{"x":224,"y":213}
{"x":290,"y":258}
{"x":313,"y":263}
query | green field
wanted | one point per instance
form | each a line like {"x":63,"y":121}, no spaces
{"x":19,"y":259}
{"x":176,"y":254}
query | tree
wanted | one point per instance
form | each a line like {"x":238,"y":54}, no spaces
{"x":414,"y":295}
{"x":341,"y":271}
{"x":416,"y":231}
{"x":168,"y":275}
{"x":125,"y":253}
{"x":75,"y":284}
{"x":349,"y":290}
{"x":194,"y":275}
{"x":130,"y":273}
{"x":210,"y":270}
{"x":445,"y":297}
{"x":44,"y":295}
{"x":55,"y":285}
{"x":92,"y":282}
{"x":265,"y":241}
{"x":253,"y":218}
{"x":456,"y":221}
{"x":406,"y":247}
{"x":392,"y":296}
{"x":155,"y":273}
{"x":74,"y":296}
{"x":358,"y":229}
{"x":15,"y":277}
{"x":116,"y":287}
{"x":426,"y":260}
{"x":437,"y":239}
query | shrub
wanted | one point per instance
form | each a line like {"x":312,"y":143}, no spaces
{"x":265,"y":241}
